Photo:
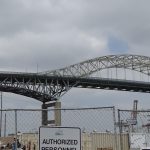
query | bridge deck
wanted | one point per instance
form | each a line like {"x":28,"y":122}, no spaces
{"x":46,"y":87}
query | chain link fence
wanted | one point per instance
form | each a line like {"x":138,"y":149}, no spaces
{"x":137,"y":125}
{"x":98,"y":127}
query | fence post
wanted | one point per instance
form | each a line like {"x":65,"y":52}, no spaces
{"x":5,"y":126}
{"x":16,"y":129}
{"x":120,"y":129}
{"x":1,"y":117}
{"x":115,"y":131}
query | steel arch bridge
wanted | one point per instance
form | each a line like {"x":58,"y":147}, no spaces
{"x":50,"y":85}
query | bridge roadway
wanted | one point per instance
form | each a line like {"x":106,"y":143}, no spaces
{"x":47,"y":88}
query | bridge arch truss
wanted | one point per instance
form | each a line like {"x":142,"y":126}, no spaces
{"x":50,"y":85}
{"x":86,"y":68}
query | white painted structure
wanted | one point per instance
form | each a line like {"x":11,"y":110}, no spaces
{"x":139,"y":140}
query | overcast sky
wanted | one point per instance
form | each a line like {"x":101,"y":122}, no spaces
{"x":52,"y":34}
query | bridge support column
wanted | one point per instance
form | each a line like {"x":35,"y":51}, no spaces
{"x":57,"y":113}
{"x":44,"y":114}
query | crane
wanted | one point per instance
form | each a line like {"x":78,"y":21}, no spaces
{"x":134,"y":112}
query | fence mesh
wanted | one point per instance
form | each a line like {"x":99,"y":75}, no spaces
{"x":135,"y":121}
{"x":137,"y":124}
{"x":100,"y":130}
{"x":88,"y":119}
{"x":96,"y":124}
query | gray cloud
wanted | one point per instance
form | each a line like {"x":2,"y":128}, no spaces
{"x":57,"y":33}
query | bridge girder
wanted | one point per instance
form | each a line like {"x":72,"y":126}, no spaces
{"x":42,"y":88}
{"x":50,"y":88}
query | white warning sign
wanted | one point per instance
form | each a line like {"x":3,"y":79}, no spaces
{"x":59,"y":138}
